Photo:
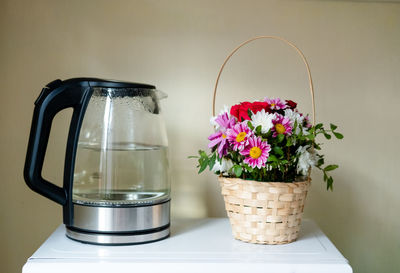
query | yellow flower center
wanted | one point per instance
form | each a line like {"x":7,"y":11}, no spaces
{"x":255,"y":152}
{"x":272,"y":104}
{"x":223,"y":136}
{"x":240,"y":137}
{"x":280,"y":129}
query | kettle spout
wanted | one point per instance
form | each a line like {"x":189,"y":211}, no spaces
{"x":161,"y":94}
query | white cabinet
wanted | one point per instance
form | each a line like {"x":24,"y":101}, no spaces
{"x":195,"y":246}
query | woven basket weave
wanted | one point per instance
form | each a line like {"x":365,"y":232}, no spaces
{"x":264,"y":212}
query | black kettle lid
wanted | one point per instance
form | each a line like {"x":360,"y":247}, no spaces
{"x":96,"y":82}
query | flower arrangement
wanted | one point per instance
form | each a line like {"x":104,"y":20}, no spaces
{"x":268,"y":141}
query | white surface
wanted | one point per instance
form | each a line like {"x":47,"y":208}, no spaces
{"x":201,"y":245}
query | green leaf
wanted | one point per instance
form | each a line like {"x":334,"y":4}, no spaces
{"x":250,"y":125}
{"x":301,"y":130}
{"x":193,"y":156}
{"x":280,"y":138}
{"x":237,"y":170}
{"x":319,"y":126}
{"x":203,"y":154}
{"x":211,"y":161}
{"x":321,"y":162}
{"x":272,"y":158}
{"x":278,"y":150}
{"x":289,"y":142}
{"x":294,"y":126}
{"x":258,"y":130}
{"x":203,"y":165}
{"x":329,"y":183}
{"x":330,"y":168}
{"x":338,"y":135}
{"x":249,"y":112}
{"x":310,"y":136}
{"x":333,"y":127}
{"x":248,"y":168}
{"x":327,"y":136}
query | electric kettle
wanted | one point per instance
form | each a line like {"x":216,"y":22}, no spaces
{"x":116,"y":187}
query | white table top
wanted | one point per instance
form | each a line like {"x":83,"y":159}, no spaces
{"x":200,"y":245}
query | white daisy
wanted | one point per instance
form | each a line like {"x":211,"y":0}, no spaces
{"x":305,"y":131}
{"x":264,"y":119}
{"x":293,"y":117}
{"x":307,"y":159}
{"x":223,"y":167}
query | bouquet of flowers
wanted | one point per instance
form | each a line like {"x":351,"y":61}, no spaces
{"x":266,"y":141}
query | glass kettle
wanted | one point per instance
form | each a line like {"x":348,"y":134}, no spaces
{"x":116,"y":187}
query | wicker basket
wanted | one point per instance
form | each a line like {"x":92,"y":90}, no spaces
{"x":265,"y":212}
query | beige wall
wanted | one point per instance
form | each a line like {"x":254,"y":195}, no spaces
{"x":354,"y":52}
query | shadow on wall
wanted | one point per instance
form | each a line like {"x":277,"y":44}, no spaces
{"x":349,"y":224}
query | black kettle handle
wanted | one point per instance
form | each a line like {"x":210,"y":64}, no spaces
{"x":55,"y":97}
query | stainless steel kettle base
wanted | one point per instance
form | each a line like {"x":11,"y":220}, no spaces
{"x":120,"y":225}
{"x":117,"y":239}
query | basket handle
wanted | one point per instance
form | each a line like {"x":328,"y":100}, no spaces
{"x":276,"y":38}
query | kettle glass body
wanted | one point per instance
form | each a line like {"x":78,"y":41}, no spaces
{"x":122,"y":155}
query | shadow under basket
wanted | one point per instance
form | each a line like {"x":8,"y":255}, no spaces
{"x":264,"y":212}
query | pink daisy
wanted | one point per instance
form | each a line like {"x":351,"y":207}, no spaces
{"x":238,"y":135}
{"x":224,"y":121}
{"x":257,"y":152}
{"x":281,"y":125}
{"x":276,"y":104}
{"x":219,"y":138}
{"x":308,"y":123}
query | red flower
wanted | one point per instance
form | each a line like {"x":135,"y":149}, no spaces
{"x":292,"y":105}
{"x":240,"y":111}
{"x":258,"y":106}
